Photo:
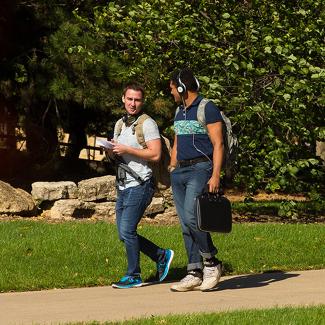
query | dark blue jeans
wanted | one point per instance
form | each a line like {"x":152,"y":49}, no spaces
{"x":187,"y":184}
{"x":130,"y":206}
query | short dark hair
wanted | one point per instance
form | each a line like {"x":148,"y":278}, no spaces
{"x":186,"y":76}
{"x":134,"y":86}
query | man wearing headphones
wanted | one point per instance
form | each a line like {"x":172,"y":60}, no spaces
{"x":135,"y":187}
{"x":196,"y":162}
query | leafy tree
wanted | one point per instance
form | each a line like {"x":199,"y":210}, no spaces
{"x":261,"y":61}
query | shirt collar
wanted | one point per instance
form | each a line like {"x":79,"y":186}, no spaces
{"x":194,"y":103}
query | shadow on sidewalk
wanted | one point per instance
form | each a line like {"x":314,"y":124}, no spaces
{"x":254,"y":280}
{"x":239,"y":282}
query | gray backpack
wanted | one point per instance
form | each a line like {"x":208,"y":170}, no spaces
{"x":230,"y":140}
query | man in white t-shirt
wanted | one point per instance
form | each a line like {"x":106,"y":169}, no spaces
{"x":135,"y":187}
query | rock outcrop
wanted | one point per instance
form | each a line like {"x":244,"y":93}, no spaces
{"x":15,"y":201}
{"x":92,"y":198}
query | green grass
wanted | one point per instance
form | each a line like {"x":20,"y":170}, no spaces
{"x":39,"y":255}
{"x":314,"y":315}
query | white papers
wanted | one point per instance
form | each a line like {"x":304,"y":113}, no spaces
{"x":104,"y":143}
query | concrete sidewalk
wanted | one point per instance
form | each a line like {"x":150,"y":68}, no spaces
{"x":108,"y":304}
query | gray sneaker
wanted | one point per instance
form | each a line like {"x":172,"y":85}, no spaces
{"x":211,"y":277}
{"x":191,"y":281}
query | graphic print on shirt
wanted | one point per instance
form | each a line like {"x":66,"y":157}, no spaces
{"x":187,"y":127}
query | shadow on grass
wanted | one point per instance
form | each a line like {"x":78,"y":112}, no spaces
{"x":254,"y":280}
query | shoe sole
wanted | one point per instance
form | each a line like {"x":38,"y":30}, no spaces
{"x":127,"y":287}
{"x":168,"y":265}
{"x":185,"y":289}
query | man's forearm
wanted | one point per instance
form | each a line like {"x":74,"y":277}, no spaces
{"x":173,"y":156}
{"x":217,"y":160}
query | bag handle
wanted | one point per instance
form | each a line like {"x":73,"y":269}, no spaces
{"x":219,"y":193}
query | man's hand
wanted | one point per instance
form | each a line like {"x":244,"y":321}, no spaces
{"x":214,"y":183}
{"x":120,"y":149}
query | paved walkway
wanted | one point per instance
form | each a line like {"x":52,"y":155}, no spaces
{"x":108,"y":304}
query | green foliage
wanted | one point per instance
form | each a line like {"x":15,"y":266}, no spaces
{"x":287,"y":210}
{"x":261,"y":61}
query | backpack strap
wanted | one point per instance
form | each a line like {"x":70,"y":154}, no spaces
{"x":201,"y":113}
{"x":138,"y":127}
{"x":130,"y":171}
{"x":118,"y":127}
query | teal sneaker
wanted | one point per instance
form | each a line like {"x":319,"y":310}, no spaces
{"x":163,"y":266}
{"x":128,"y":282}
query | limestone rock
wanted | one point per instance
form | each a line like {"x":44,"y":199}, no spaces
{"x":156,"y":206}
{"x":15,"y":200}
{"x":97,"y":188}
{"x":52,"y":191}
{"x":77,"y":209}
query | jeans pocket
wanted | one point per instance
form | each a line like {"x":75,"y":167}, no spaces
{"x":150,"y":193}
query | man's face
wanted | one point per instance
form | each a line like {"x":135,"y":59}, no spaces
{"x":133,"y":101}
{"x":174,"y":92}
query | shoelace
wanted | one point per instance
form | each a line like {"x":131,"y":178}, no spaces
{"x":161,"y":265}
{"x":187,"y":278}
{"x":209,"y":271}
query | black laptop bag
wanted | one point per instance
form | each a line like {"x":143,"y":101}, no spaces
{"x":213,"y":211}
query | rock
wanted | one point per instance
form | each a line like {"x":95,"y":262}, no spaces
{"x":15,"y":201}
{"x":168,"y":217}
{"x":104,"y":211}
{"x":52,"y":191}
{"x":97,"y":188}
{"x":64,"y":209}
{"x":77,"y":209}
{"x":156,"y":206}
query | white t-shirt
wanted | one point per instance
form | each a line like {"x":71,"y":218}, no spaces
{"x":128,"y":137}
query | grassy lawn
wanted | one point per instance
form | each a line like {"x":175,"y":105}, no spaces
{"x":284,"y":316}
{"x":39,"y":255}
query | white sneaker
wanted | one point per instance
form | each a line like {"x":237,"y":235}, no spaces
{"x":211,"y":277}
{"x":187,"y":284}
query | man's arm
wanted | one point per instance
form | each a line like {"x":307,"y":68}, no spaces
{"x":151,"y":153}
{"x":173,"y":156}
{"x":215,"y":134}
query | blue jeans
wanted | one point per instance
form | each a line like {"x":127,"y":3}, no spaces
{"x":187,"y":184}
{"x":130,"y":206}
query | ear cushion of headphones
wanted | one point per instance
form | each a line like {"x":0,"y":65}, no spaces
{"x":180,"y":89}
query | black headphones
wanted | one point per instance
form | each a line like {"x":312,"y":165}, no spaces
{"x":129,"y":119}
{"x":181,"y":88}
